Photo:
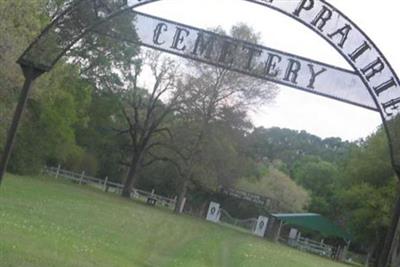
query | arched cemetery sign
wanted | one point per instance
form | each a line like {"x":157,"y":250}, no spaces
{"x":372,"y":84}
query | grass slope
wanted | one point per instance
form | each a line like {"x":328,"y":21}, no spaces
{"x":44,"y":222}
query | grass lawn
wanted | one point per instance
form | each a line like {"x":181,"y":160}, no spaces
{"x":44,"y":222}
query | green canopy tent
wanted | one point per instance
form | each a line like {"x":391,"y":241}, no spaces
{"x":314,"y":222}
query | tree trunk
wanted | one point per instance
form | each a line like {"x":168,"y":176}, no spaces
{"x":395,"y":250}
{"x":371,"y":250}
{"x":366,"y":264}
{"x":131,"y":178}
{"x":203,"y":210}
{"x":181,"y":196}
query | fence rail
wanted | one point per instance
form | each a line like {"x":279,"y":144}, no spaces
{"x":311,"y":246}
{"x":109,"y":186}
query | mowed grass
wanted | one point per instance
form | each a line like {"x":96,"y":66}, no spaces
{"x":47,"y":222}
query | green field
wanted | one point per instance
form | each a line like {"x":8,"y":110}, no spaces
{"x":44,"y":222}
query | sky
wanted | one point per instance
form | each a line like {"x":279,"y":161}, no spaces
{"x":292,"y":108}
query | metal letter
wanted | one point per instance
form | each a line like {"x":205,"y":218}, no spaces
{"x":391,"y":104}
{"x":359,"y":51}
{"x":252,"y":51}
{"x":161,"y":27}
{"x":322,"y":18}
{"x":373,"y":68}
{"x":227,"y":52}
{"x":292,"y":71}
{"x":303,"y":6}
{"x":385,"y":86}
{"x":270,"y":65}
{"x":178,"y":38}
{"x":204,"y":46}
{"x":344,"y":32}
{"x":314,"y":75}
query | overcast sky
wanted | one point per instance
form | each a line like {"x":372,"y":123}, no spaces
{"x":292,"y":108}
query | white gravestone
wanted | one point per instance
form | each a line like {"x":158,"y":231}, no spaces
{"x":293,"y":234}
{"x":213,"y":214}
{"x":262,"y":223}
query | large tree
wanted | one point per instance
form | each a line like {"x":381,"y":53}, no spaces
{"x":274,"y":184}
{"x":208,"y":92}
{"x":146,"y":112}
{"x":369,"y":191}
{"x":321,"y":178}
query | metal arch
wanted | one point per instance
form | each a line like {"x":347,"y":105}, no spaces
{"x":370,"y":90}
{"x":47,"y":28}
{"x":321,"y":89}
{"x":131,"y":4}
{"x":368,"y":87}
{"x":22,"y":61}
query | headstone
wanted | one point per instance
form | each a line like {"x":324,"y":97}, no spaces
{"x":262,"y":223}
{"x":293,"y":234}
{"x":213,"y":214}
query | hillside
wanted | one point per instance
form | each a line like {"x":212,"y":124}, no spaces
{"x":289,"y":146}
{"x":278,"y":186}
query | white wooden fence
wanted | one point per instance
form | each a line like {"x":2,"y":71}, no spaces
{"x":311,"y":246}
{"x":108,"y":186}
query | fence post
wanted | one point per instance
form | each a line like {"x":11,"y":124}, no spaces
{"x":81,"y":179}
{"x":278,"y":233}
{"x":105,"y":184}
{"x":58,"y":170}
{"x":181,"y":208}
{"x":175,"y":203}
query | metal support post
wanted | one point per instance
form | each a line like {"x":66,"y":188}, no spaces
{"x":390,"y":253}
{"x":30,"y":74}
